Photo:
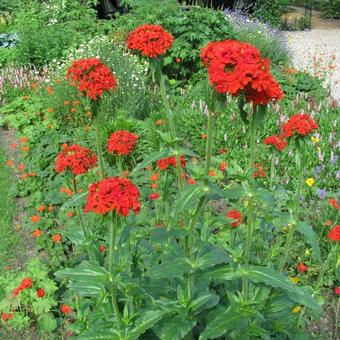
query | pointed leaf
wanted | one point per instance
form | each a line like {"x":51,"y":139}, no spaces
{"x":153,"y":157}
{"x":223,"y":273}
{"x":88,"y":272}
{"x":75,"y":201}
{"x":174,"y":328}
{"x":170,"y":268}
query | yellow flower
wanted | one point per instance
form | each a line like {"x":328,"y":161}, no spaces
{"x":307,"y":252}
{"x":310,"y":182}
{"x":296,"y":309}
{"x":285,"y":229}
{"x":315,"y":140}
{"x":295,"y":279}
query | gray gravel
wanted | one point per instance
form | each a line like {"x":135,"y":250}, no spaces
{"x":306,"y":46}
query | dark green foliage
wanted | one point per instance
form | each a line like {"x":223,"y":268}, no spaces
{"x":268,"y":11}
{"x":331,"y":9}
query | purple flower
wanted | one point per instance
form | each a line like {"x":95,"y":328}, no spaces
{"x":322,"y":194}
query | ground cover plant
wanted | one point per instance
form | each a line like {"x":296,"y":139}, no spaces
{"x":204,"y":208}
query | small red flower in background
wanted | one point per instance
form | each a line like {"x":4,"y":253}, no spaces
{"x":113,"y":194}
{"x":300,"y":125}
{"x":26,"y":283}
{"x":334,"y":234}
{"x":191,"y":181}
{"x":40,"y":293}
{"x":14,"y":146}
{"x":334,"y":203}
{"x":235,"y":67}
{"x":154,"y":196}
{"x":204,"y":136}
{"x":16,"y":291}
{"x":301,"y":267}
{"x":260,"y":172}
{"x":212,"y":173}
{"x":56,"y":238}
{"x":178,"y":60}
{"x":92,"y":77}
{"x":159,"y":122}
{"x":36,"y":233}
{"x":165,"y":163}
{"x":328,"y":223}
{"x":21,"y":166}
{"x":121,"y":142}
{"x":154,"y":177}
{"x":35,"y":218}
{"x":6,"y":316}
{"x":23,"y":139}
{"x":276,"y":141}
{"x":102,"y":248}
{"x":236,"y":216}
{"x":9,"y":163}
{"x":337,"y":290}
{"x":75,"y":158}
{"x":223,"y":166}
{"x":151,"y":40}
{"x":65,"y":309}
{"x":70,"y":214}
{"x":41,"y":208}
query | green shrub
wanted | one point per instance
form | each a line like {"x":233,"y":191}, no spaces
{"x":331,"y":9}
{"x":268,"y":11}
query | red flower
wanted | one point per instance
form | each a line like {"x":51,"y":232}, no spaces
{"x":56,"y":238}
{"x":223,"y":166}
{"x":6,"y":316}
{"x":102,"y":248}
{"x":301,"y":267}
{"x":92,"y":77}
{"x":276,"y":141}
{"x":154,"y":177}
{"x":70,"y":214}
{"x":75,"y":158}
{"x":121,"y":142}
{"x":191,"y":181}
{"x":36,"y":233}
{"x":334,"y":203}
{"x":154,"y":196}
{"x":260,"y":172}
{"x":151,"y":40}
{"x":41,"y":208}
{"x":236,"y":216}
{"x":165,"y":163}
{"x":236,"y":67}
{"x":26,"y":283}
{"x":40,"y":293}
{"x":300,"y":125}
{"x":16,"y":291}
{"x":65,"y":309}
{"x":35,"y":218}
{"x":337,"y":290}
{"x":114,"y":193}
{"x":334,"y":234}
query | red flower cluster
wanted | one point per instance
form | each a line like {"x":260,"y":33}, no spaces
{"x":334,"y":234}
{"x":114,"y":193}
{"x":236,"y":216}
{"x":165,"y":163}
{"x":334,"y":203}
{"x":235,"y":67}
{"x":25,"y":284}
{"x":40,"y":293}
{"x":301,"y":267}
{"x":276,"y":141}
{"x":75,"y":158}
{"x":121,"y":142}
{"x":65,"y":309}
{"x":300,"y":125}
{"x":151,"y":40}
{"x":259,"y":171}
{"x":92,"y":77}
{"x":6,"y":316}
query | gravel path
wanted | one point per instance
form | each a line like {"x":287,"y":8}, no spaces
{"x":318,"y":51}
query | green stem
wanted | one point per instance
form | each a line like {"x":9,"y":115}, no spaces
{"x":250,"y":207}
{"x":290,"y":236}
{"x":99,"y":147}
{"x":172,"y":128}
{"x":322,"y":272}
{"x":112,"y":250}
{"x":272,"y":171}
{"x":78,"y":211}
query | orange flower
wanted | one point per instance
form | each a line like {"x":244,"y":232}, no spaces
{"x":76,"y":102}
{"x":56,"y":238}
{"x":89,"y":114}
{"x":50,"y":208}
{"x":73,"y":109}
{"x":9,"y":163}
{"x":50,"y":110}
{"x":21,"y":166}
{"x":79,"y":190}
{"x":154,"y":177}
{"x":57,"y":81}
{"x":23,"y":139}
{"x":34,"y":85}
{"x":334,"y":203}
{"x":159,"y":122}
{"x":223,"y":166}
{"x":24,"y":176}
{"x":204,"y":136}
{"x":191,"y":181}
{"x":25,"y":148}
{"x":153,"y":186}
{"x":87,"y":128}
{"x":36,"y":233}
{"x":35,"y":218}
{"x":49,"y":90}
{"x":14,"y":146}
{"x":25,"y":97}
{"x":41,"y":208}
{"x":70,"y":214}
{"x":328,"y":223}
{"x":212,"y":173}
{"x":32,"y":174}
{"x":178,"y":60}
{"x":66,"y":102}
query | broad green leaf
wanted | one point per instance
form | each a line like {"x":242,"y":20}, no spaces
{"x":260,"y":112}
{"x":99,"y":335}
{"x":147,"y":320}
{"x":75,"y":201}
{"x":47,"y":323}
{"x":208,"y":299}
{"x":223,"y":273}
{"x":188,"y":152}
{"x":212,"y":256}
{"x":153,"y":157}
{"x":243,"y":113}
{"x":229,"y":320}
{"x":170,"y":268}
{"x":88,"y":272}
{"x":307,"y":231}
{"x":273,"y":278}
{"x":174,"y":328}
{"x":232,"y":193}
{"x":87,"y":288}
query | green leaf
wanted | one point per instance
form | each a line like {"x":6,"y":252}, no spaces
{"x":170,"y":268}
{"x":273,"y":278}
{"x":87,"y":288}
{"x":260,"y":112}
{"x":212,"y":256}
{"x":231,"y":319}
{"x":307,"y":231}
{"x":153,"y":157}
{"x":174,"y":328}
{"x":223,"y":273}
{"x":99,"y":335}
{"x":47,"y":323}
{"x":88,"y":272}
{"x":147,"y":320}
{"x":208,"y":299}
{"x":75,"y":201}
{"x":243,"y":112}
{"x":188,"y":152}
